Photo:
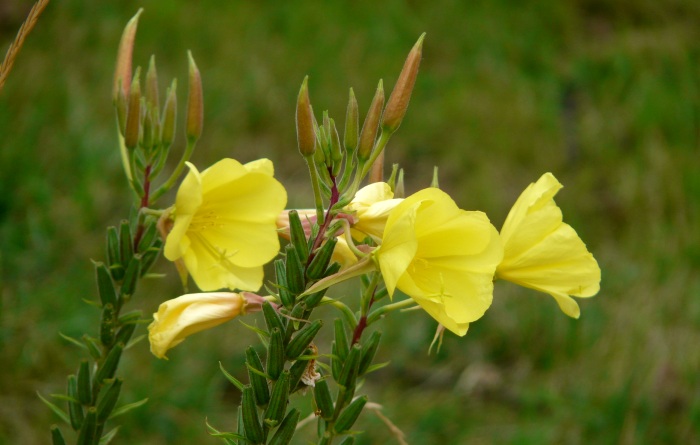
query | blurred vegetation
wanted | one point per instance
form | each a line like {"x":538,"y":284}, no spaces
{"x":606,"y":95}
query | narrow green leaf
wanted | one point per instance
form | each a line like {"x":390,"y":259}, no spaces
{"x":58,"y":411}
{"x":128,"y":407}
{"x":237,"y":383}
{"x":107,"y":438}
{"x":72,"y":340}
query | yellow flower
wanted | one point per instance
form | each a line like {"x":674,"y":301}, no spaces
{"x":545,"y":254}
{"x":225,"y":224}
{"x":371,"y":207}
{"x":441,"y":256}
{"x":181,"y":317}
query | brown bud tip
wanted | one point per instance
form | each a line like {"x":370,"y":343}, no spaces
{"x":401,"y":94}
{"x":122,"y":72}
{"x":306,"y":137}
{"x":371,"y":124}
{"x":195,"y":102}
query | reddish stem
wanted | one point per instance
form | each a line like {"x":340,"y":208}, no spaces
{"x":335,"y":196}
{"x":144,"y":203}
{"x":362,"y":324}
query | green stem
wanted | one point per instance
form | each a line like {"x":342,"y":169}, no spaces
{"x":378,"y":313}
{"x":347,"y":313}
{"x":167,"y":185}
{"x":318,"y":200}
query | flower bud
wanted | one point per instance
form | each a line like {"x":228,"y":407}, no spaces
{"x":435,"y":183}
{"x":336,"y":149}
{"x":352,"y":123}
{"x":122,"y":72}
{"x":371,"y":124}
{"x":181,"y":317}
{"x":121,"y":105}
{"x":133,"y":114}
{"x":306,"y":137}
{"x":376,"y":173}
{"x":195,"y":102}
{"x":152,"y":85}
{"x":401,"y":94}
{"x":167,"y":131}
{"x":147,"y":132}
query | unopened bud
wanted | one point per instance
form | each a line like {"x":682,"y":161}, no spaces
{"x":133,"y":115}
{"x":401,"y":94}
{"x":167,"y":134}
{"x":376,"y":174}
{"x":336,"y":149}
{"x":434,"y":182}
{"x":400,"y":190}
{"x":152,"y":85}
{"x":371,"y":124}
{"x":352,"y":124}
{"x":147,"y":133}
{"x":122,"y":72}
{"x":306,"y":137}
{"x":121,"y":106}
{"x":195,"y":102}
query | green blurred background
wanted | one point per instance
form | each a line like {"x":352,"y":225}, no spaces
{"x":604,"y":94}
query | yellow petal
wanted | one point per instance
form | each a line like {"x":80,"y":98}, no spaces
{"x":545,"y":254}
{"x":372,"y":205}
{"x":225,"y":223}
{"x":451,"y":271}
{"x":181,"y":317}
{"x":398,"y":246}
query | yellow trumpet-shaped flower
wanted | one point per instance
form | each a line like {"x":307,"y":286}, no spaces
{"x":441,"y":256}
{"x":181,"y":317}
{"x":544,"y":253}
{"x":224,"y":228}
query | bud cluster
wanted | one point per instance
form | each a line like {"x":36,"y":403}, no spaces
{"x":337,"y":168}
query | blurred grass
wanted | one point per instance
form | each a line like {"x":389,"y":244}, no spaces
{"x":606,"y":95}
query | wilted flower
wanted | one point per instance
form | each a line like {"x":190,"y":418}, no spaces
{"x":545,"y":254}
{"x":225,"y":224}
{"x":181,"y":317}
{"x":371,"y":207}
{"x":441,"y":256}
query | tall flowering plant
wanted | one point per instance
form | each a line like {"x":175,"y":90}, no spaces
{"x":419,"y":251}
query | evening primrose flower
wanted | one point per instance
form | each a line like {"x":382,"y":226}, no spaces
{"x":544,"y":253}
{"x":441,"y":256}
{"x":224,"y":227}
{"x":181,"y":317}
